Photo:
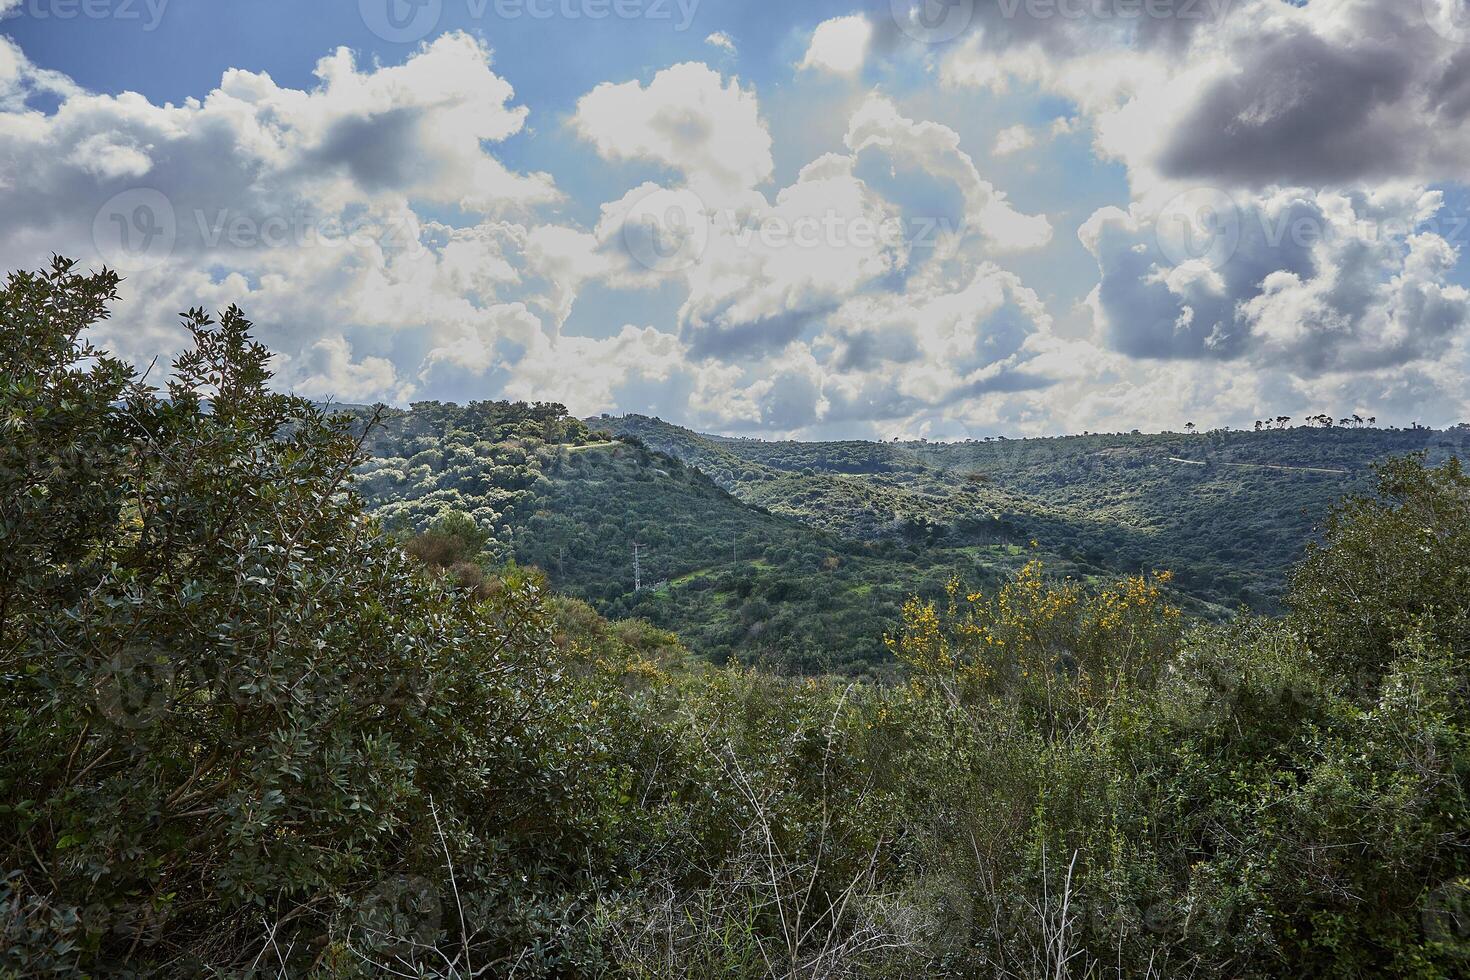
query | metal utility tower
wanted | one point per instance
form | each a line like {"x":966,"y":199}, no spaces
{"x":637,"y":567}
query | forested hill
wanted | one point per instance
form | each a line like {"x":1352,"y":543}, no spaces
{"x":800,"y":555}
{"x":1227,"y":511}
{"x":732,"y":579}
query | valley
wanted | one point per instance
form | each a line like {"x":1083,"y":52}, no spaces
{"x":798,"y":556}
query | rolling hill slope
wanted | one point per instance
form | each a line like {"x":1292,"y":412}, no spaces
{"x":1228,"y":512}
{"x":734,"y":579}
{"x":800,"y":555}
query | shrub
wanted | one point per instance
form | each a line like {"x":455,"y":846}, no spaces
{"x":231,"y":706}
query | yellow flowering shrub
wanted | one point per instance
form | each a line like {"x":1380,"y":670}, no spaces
{"x":1049,"y":646}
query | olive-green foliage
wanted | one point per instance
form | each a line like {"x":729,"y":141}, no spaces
{"x":244,"y":731}
{"x":1238,"y":811}
{"x":478,"y":461}
{"x":231,"y":707}
{"x":1390,"y":572}
{"x":1227,"y":512}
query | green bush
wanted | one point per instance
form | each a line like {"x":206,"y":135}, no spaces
{"x":231,"y":706}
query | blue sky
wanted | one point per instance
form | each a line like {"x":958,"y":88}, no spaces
{"x":1100,"y":218}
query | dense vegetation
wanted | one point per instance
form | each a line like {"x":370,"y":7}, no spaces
{"x":1227,"y":512}
{"x":798,"y":556}
{"x":246,"y":730}
{"x":734,"y":580}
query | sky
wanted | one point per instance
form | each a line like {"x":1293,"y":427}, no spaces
{"x":911,"y":218}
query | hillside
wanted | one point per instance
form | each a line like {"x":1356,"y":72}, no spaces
{"x":799,"y":556}
{"x":734,"y":580}
{"x":242,"y":728}
{"x":1228,"y":512}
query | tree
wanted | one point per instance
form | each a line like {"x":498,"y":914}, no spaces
{"x":65,"y":447}
{"x":230,"y":705}
{"x":1392,"y":567}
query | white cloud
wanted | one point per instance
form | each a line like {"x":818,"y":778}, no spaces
{"x":20,"y":78}
{"x":721,"y":40}
{"x":586,"y":371}
{"x":687,"y":119}
{"x":847,"y":298}
{"x":326,"y":370}
{"x":1314,"y":282}
{"x":762,"y":273}
{"x":767,"y":270}
{"x":932,"y":151}
{"x":1065,"y":125}
{"x":1013,"y":139}
{"x":1249,"y":94}
{"x":254,"y":152}
{"x":839,"y":45}
{"x":299,"y":205}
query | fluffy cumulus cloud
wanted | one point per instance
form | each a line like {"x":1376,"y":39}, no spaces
{"x":1313,"y":281}
{"x":862,"y":294}
{"x":589,"y":370}
{"x":922,"y":162}
{"x":687,"y":119}
{"x":1285,"y":166}
{"x":1251,"y":92}
{"x":360,"y":139}
{"x":302,"y":205}
{"x":1278,"y":232}
{"x":762,"y":271}
{"x":839,"y":45}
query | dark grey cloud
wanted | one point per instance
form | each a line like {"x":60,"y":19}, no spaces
{"x":1384,"y":99}
{"x":1145,"y":318}
{"x":379,"y":151}
{"x":1449,"y":96}
{"x":866,"y":350}
{"x":1009,"y":381}
{"x":1062,"y":28}
{"x":726,"y":338}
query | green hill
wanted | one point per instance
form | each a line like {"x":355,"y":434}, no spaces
{"x":1227,"y":512}
{"x":734,"y":579}
{"x":799,"y":556}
